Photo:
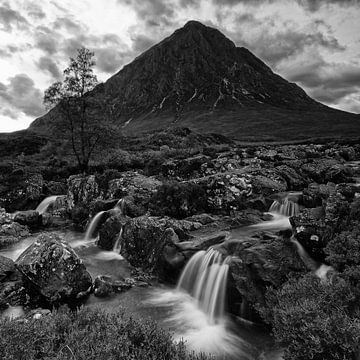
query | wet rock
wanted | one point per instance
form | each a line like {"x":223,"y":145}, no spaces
{"x":102,"y":205}
{"x":29,"y":218}
{"x":110,"y":231}
{"x":53,"y":272}
{"x":257,"y":264}
{"x":138,"y":187}
{"x":267,"y":182}
{"x":105,"y":285}
{"x":293,"y":179}
{"x":81,"y":190}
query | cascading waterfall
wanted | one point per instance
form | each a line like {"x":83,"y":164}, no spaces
{"x":320,"y":270}
{"x":44,"y":205}
{"x":205,"y":279}
{"x":284,"y":207}
{"x":93,"y":225}
{"x":118,"y":208}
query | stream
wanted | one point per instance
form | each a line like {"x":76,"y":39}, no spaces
{"x":194,"y":311}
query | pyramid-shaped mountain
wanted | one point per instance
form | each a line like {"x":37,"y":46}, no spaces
{"x":198,"y":78}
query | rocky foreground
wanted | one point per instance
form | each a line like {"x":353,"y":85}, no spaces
{"x":190,"y":204}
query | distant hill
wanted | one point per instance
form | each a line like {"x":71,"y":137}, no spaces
{"x":198,"y":78}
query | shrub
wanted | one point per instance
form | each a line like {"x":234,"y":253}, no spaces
{"x":311,"y":319}
{"x":88,"y":335}
{"x":178,"y":200}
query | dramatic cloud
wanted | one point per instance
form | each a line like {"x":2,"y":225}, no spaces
{"x":20,"y":95}
{"x":315,"y":43}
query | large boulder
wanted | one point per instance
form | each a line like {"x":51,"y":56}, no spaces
{"x":52,"y":272}
{"x":152,"y":243}
{"x":293,"y":179}
{"x":255,"y":265}
{"x":81,"y":190}
{"x":136,"y":188}
{"x":226,"y":192}
{"x":110,"y":231}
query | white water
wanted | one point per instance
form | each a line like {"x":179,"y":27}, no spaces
{"x":284,"y":207}
{"x":44,"y":205}
{"x":92,"y":226}
{"x":205,"y":278}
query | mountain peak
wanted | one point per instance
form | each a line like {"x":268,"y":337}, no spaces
{"x":198,"y":78}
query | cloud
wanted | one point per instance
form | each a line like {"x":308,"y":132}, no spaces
{"x":20,"y":95}
{"x":49,"y":65}
{"x":315,"y":5}
{"x":154,"y":11}
{"x":47,"y":40}
{"x":67,"y":24}
{"x":274,"y":41}
{"x":10,"y":18}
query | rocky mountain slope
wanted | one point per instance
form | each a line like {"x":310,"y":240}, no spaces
{"x":198,"y":78}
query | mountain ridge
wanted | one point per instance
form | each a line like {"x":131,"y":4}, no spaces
{"x":200,"y":79}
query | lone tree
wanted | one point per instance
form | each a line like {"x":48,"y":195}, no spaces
{"x":86,"y":119}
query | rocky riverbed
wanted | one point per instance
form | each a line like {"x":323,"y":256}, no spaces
{"x":219,"y":200}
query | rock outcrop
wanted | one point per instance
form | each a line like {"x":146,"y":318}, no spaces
{"x":53,"y":273}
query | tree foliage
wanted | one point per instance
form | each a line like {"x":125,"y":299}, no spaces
{"x":86,"y":119}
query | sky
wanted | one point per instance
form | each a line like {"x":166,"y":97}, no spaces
{"x":315,"y":43}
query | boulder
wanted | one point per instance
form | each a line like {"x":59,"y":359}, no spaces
{"x":53,"y":272}
{"x":29,"y":218}
{"x":81,"y":190}
{"x":293,"y":179}
{"x":110,"y":231}
{"x":226,"y":192}
{"x":256,"y":264}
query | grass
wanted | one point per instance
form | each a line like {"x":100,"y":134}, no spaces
{"x":90,"y":334}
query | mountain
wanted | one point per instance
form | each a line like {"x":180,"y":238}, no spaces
{"x":198,"y":78}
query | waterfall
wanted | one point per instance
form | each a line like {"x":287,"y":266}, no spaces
{"x":320,"y":270}
{"x":205,"y":279}
{"x":310,"y":263}
{"x":93,"y":225}
{"x":284,"y":207}
{"x":44,"y":205}
{"x":120,"y":206}
{"x":117,"y":245}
